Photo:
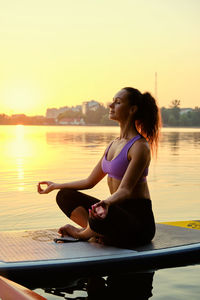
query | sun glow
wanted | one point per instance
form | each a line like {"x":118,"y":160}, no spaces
{"x":82,"y":50}
{"x":21,"y":97}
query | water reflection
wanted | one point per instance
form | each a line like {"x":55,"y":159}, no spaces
{"x":20,"y":175}
{"x":171,"y":139}
{"x":134,"y":286}
{"x":174,"y":140}
{"x":137,"y":286}
{"x":84,"y":138}
{"x":61,"y":154}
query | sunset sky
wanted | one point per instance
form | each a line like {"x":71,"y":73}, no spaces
{"x":60,"y":53}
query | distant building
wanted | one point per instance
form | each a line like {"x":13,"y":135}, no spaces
{"x":77,"y":108}
{"x":55,"y":112}
{"x":71,"y":121}
{"x":52,"y":113}
{"x":89,"y":105}
{"x":185,"y":110}
{"x":84,"y":107}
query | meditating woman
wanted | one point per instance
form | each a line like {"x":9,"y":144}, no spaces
{"x":124,"y":218}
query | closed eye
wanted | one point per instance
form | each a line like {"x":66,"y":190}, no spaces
{"x":117,"y":100}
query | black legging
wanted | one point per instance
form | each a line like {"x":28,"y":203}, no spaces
{"x":128,"y":224}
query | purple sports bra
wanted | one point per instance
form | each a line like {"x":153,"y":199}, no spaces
{"x":116,"y":167}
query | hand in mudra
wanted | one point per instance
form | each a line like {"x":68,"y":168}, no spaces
{"x":99,"y":210}
{"x":45,"y":187}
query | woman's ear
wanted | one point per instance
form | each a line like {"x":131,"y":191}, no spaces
{"x":133,"y":109}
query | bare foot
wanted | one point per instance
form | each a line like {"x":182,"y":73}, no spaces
{"x":96,"y":239}
{"x":100,"y":239}
{"x":70,"y":230}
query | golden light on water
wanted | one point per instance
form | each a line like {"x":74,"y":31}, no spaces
{"x":20,"y":147}
{"x":20,"y":170}
{"x":22,"y":154}
{"x":27,"y":149}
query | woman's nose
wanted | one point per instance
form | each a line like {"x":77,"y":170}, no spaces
{"x":111,"y":104}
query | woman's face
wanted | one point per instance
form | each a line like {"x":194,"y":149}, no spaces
{"x":120,"y":108}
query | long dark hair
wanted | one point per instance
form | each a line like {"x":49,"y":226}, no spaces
{"x":147,"y":118}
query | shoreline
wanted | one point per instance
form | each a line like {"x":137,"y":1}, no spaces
{"x":89,"y":125}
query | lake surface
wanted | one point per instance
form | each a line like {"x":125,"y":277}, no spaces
{"x":30,"y":154}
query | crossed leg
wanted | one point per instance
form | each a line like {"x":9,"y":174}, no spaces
{"x":75,"y":205}
{"x":80,"y":217}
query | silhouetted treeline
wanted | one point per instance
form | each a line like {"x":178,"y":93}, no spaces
{"x":175,"y":116}
{"x":172,"y":116}
{"x":25,"y":120}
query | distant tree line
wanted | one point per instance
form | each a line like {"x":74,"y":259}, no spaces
{"x":25,"y":120}
{"x":175,"y":116}
{"x":172,"y":116}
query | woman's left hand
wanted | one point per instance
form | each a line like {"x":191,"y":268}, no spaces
{"x":99,"y":210}
{"x":50,"y":186}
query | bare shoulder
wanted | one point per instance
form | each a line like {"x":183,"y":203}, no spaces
{"x":140,"y":148}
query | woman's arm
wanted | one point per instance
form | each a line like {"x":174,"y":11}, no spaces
{"x":96,"y":175}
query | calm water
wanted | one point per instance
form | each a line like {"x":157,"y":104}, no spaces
{"x":32,"y":153}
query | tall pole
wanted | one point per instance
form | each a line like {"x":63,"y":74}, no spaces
{"x":156,"y":88}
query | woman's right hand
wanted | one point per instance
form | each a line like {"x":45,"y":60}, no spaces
{"x":50,"y":187}
{"x":99,"y":210}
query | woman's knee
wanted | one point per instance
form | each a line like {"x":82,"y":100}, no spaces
{"x":64,"y":199}
{"x":64,"y":194}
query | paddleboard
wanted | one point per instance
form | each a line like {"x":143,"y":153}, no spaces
{"x":33,"y":258}
{"x":11,"y":290}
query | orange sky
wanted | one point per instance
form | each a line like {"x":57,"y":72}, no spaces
{"x":58,"y":53}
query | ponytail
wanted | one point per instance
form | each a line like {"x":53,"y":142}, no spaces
{"x":147,"y":118}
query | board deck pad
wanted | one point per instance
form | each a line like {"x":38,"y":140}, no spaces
{"x":39,"y":245}
{"x":194,"y":224}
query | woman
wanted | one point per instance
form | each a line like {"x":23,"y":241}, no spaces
{"x":125,"y":218}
